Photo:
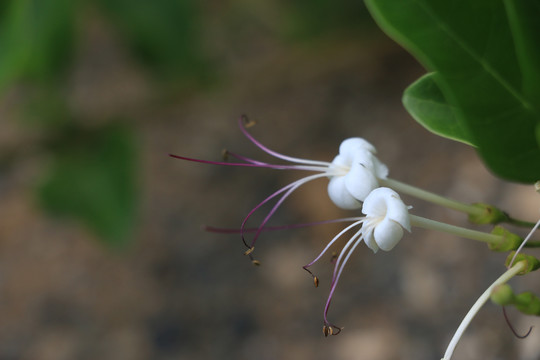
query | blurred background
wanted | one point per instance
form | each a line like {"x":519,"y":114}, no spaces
{"x":102,"y":255}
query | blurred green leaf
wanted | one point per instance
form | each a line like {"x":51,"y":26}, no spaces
{"x":308,"y":19}
{"x":94,"y":179}
{"x":425,"y":102}
{"x":165,"y":34}
{"x":481,"y":52}
{"x":35,"y":38}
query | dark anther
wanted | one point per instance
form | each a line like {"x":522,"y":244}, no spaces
{"x":225,"y":154}
{"x":247,"y":121}
{"x":327,"y":330}
{"x":315,"y":279}
{"x":256,"y":262}
{"x":331,"y":330}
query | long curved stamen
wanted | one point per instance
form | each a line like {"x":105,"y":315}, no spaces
{"x":289,"y":189}
{"x":355,"y":240}
{"x":252,"y":163}
{"x":243,"y":120}
{"x":339,"y":235}
{"x":306,"y":267}
{"x":278,"y":167}
{"x":276,"y":228}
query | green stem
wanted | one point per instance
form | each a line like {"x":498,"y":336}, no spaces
{"x":475,"y":211}
{"x":455,"y":230}
{"x":513,"y":271}
{"x":521,"y":223}
{"x":431,"y":197}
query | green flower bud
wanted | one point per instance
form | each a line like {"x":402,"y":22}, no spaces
{"x":502,"y":295}
{"x":532,"y":262}
{"x":527,"y":303}
{"x":490,"y":215}
{"x":510,"y":241}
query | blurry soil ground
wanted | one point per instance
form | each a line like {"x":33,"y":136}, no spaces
{"x":182,"y":293}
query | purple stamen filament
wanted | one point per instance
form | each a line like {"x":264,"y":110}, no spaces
{"x":325,"y":169}
{"x":367,"y":226}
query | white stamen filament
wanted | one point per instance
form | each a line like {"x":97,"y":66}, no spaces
{"x":478,"y":305}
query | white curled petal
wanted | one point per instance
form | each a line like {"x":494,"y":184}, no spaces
{"x":387,"y":234}
{"x":349,"y":147}
{"x":381,"y":170}
{"x":397,"y":211}
{"x":340,"y":165}
{"x":375,"y":203}
{"x":369,"y":239}
{"x":385,"y":202}
{"x":338,"y":193}
{"x":360,"y":180}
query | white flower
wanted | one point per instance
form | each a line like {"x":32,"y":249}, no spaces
{"x":381,"y":228}
{"x":356,"y":171}
{"x":386,"y":217}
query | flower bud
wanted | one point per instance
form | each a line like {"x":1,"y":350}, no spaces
{"x":510,"y":241}
{"x":490,"y":215}
{"x":532,"y":262}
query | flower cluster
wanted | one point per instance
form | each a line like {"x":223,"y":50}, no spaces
{"x":358,"y":180}
{"x":355,"y":176}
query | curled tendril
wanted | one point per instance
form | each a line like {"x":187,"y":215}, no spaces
{"x":509,"y":323}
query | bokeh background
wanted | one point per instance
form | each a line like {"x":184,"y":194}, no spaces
{"x":102,"y":255}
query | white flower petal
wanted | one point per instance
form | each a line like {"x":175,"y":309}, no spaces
{"x":381,"y":170}
{"x":338,"y":193}
{"x":375,"y":203}
{"x":387,"y":234}
{"x":350,"y":146}
{"x":340,"y":164}
{"x":399,"y":212}
{"x":369,"y":239}
{"x":360,"y":181}
{"x":386,"y":202}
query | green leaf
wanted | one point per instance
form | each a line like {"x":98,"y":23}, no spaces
{"x":480,"y":53}
{"x":93,"y":179}
{"x":310,"y":19}
{"x":165,"y":34}
{"x":523,"y":17}
{"x":537,"y":133}
{"x":35,"y":38}
{"x":425,"y":102}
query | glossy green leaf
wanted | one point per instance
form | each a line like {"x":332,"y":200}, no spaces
{"x":524,"y":20}
{"x":425,"y":102}
{"x":93,"y":179}
{"x":482,"y":52}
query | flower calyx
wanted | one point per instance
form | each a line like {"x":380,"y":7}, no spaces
{"x":489,"y":214}
{"x":532,"y":263}
{"x":526,"y":302}
{"x":509,"y":241}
